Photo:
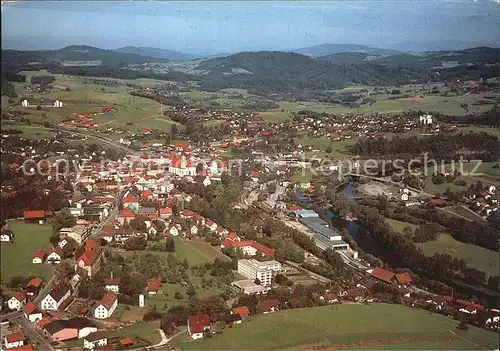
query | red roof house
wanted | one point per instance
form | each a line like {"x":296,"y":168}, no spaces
{"x":403,"y":278}
{"x":34,"y":215}
{"x":242,"y":311}
{"x":383,"y":275}
{"x":154,"y":286}
{"x":197,"y":325}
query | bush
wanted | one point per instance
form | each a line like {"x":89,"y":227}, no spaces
{"x":463,"y":325}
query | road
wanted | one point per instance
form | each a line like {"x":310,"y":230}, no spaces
{"x":105,"y":140}
{"x":453,"y":213}
{"x":31,"y":332}
{"x":111,"y":217}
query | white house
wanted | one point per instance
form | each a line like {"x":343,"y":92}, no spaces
{"x":54,"y":299}
{"x":206,"y":181}
{"x":211,"y":225}
{"x":198,"y":325}
{"x":55,"y":256}
{"x":173,"y":230}
{"x":6,"y":236}
{"x":31,"y":312}
{"x":194,"y":230}
{"x":94,"y":340}
{"x":106,"y":306}
{"x":492,"y":189}
{"x":14,"y":340}
{"x":17,"y":301}
{"x":112,"y":284}
{"x":39,"y":256}
{"x":404,"y":197}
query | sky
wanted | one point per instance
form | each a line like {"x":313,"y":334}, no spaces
{"x":231,"y":26}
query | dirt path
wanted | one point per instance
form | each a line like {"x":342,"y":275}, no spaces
{"x":472,"y":342}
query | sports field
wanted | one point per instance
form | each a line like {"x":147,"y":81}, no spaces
{"x":16,"y":257}
{"x":345,"y":327}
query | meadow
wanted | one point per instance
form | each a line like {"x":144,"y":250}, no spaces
{"x":182,"y":250}
{"x":130,"y":112}
{"x":16,"y":257}
{"x":340,"y":325}
{"x":476,"y":257}
{"x":145,"y":331}
{"x":399,"y":226}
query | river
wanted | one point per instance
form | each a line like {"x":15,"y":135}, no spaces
{"x":369,"y":245}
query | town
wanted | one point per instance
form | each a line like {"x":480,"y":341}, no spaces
{"x":239,"y":194}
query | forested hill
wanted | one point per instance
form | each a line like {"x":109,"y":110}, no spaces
{"x":274,"y":71}
{"x":424,"y":60}
{"x":15,"y":58}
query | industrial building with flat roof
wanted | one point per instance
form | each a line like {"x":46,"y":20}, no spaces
{"x":330,"y":237}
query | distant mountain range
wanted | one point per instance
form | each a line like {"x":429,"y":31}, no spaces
{"x":74,"y":53}
{"x":268,"y":72}
{"x":170,"y":55}
{"x":328,"y":49}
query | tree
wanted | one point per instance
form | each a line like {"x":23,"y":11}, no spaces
{"x":463,"y":325}
{"x":178,"y":295}
{"x":135,"y":243}
{"x":160,"y":225}
{"x":64,"y":270}
{"x":185,"y":263}
{"x":328,"y":150}
{"x":170,"y":244}
{"x":63,"y":219}
{"x":190,"y":291}
{"x":16,"y":282}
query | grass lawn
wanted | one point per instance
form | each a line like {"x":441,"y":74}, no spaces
{"x":398,"y":226}
{"x":467,"y":168}
{"x":16,"y":257}
{"x":206,"y":250}
{"x":331,"y":325}
{"x":475,"y":256}
{"x":145,"y":331}
{"x":194,"y":257}
{"x":338,"y":147}
{"x":168,"y":290}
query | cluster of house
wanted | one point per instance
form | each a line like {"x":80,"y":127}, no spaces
{"x":485,"y":203}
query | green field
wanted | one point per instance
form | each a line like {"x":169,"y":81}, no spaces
{"x":467,"y":168}
{"x":341,"y":324}
{"x":206,"y":250}
{"x":182,"y":250}
{"x":137,"y":111}
{"x":321,"y":143}
{"x":16,"y":257}
{"x":475,"y":256}
{"x":168,"y":290}
{"x":398,"y":226}
{"x":145,"y":331}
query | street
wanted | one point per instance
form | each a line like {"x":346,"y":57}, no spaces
{"x":30,"y":331}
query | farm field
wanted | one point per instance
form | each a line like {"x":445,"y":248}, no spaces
{"x":330,"y":326}
{"x":129,"y":110}
{"x":475,"y":256}
{"x":16,"y":257}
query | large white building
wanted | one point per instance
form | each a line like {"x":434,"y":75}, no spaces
{"x":263,"y":271}
{"x":425,"y":119}
{"x":182,"y":166}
